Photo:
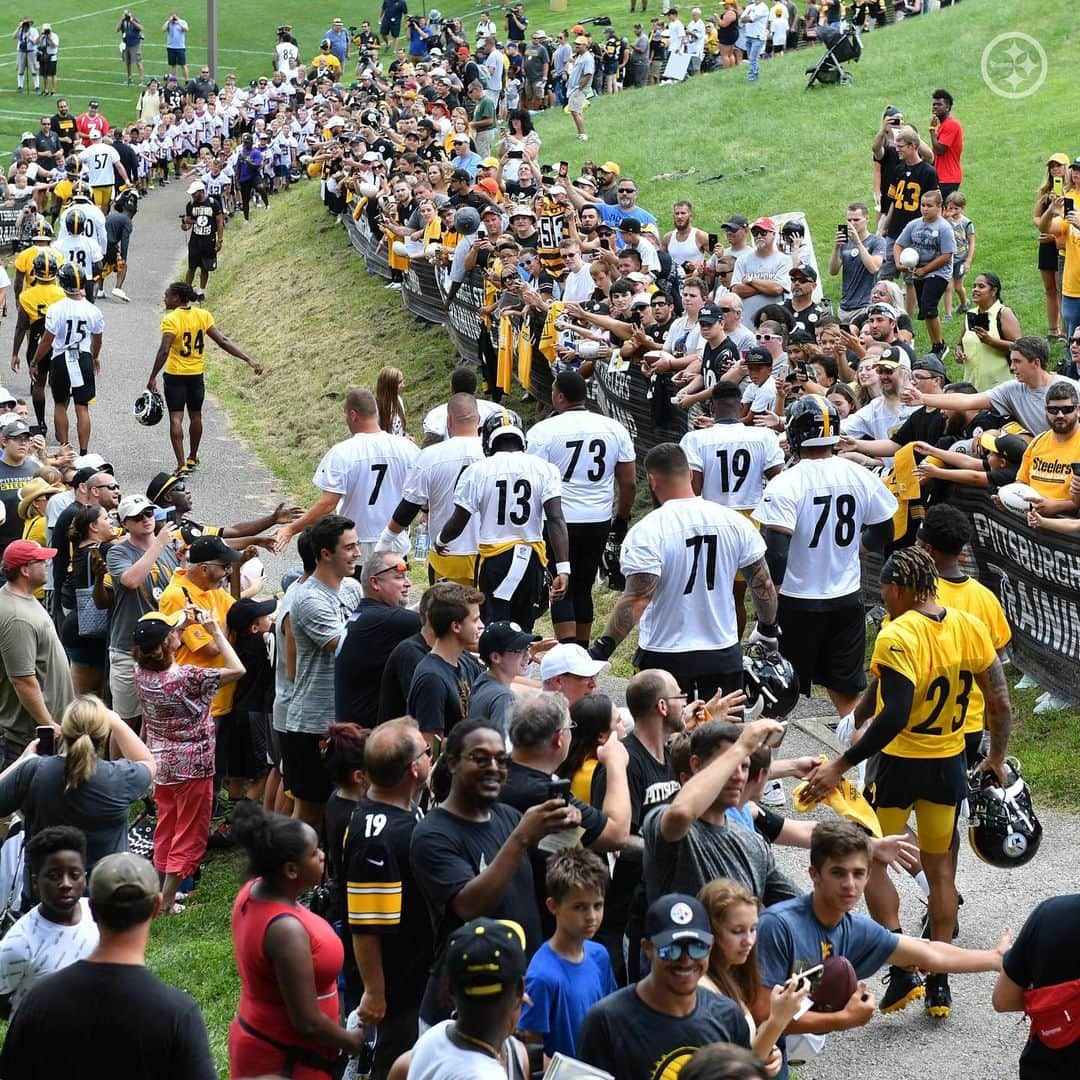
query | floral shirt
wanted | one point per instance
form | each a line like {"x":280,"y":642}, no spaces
{"x":177,"y":724}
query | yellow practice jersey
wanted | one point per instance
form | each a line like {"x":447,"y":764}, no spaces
{"x":188,"y":327}
{"x":1047,"y":463}
{"x":62,"y":190}
{"x":550,"y":229}
{"x":940,"y":658}
{"x":24,"y":261}
{"x":976,"y":599}
{"x":36,"y":299}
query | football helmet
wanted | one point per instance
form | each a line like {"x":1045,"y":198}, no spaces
{"x":72,"y":165}
{"x":76,"y":222}
{"x":45,"y":267}
{"x":790,"y":229}
{"x":499,"y":425}
{"x":127,"y":200}
{"x":814,"y":422}
{"x":770,"y":683}
{"x":42,"y":230}
{"x":70,"y":278}
{"x":82,"y":192}
{"x":149,"y":408}
{"x":1002,"y":827}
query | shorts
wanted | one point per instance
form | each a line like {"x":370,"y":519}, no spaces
{"x":103,"y":196}
{"x":48,"y":67}
{"x":176,"y":57}
{"x":825,"y":647}
{"x":113,"y":262}
{"x":200,"y":258}
{"x":60,"y":382}
{"x":133,"y":54}
{"x":184,"y":392}
{"x":887,"y":271}
{"x":244,"y":735}
{"x":302,"y":769}
{"x":958,"y":269}
{"x":1050,"y":257}
{"x":457,"y":568}
{"x":932,"y":787}
{"x":576,"y":101}
{"x":390,"y":27}
{"x":700,"y":674}
{"x":529,"y":599}
{"x":125,"y":699}
{"x":929,"y":291}
{"x":183,"y":825}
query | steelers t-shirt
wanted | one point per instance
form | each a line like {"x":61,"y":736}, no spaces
{"x":1047,"y":464}
{"x":204,"y":215}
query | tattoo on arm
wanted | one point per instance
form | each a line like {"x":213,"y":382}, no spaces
{"x":629,"y":607}
{"x":998,"y":708}
{"x":762,"y":590}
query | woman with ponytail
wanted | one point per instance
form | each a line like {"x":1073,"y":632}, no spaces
{"x":78,"y":785}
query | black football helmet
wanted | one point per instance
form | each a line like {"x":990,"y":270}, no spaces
{"x":770,"y":683}
{"x":42,"y":231}
{"x":814,"y":422}
{"x":1002,"y":827}
{"x":790,"y":229}
{"x":70,"y":278}
{"x":76,"y":223}
{"x":149,"y":408}
{"x":127,"y":200}
{"x":44,"y":268}
{"x":72,"y":165}
{"x":82,"y":192}
{"x":499,"y":425}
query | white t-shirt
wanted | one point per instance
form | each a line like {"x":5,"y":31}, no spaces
{"x":681,"y":339}
{"x":368,"y":471}
{"x":755,"y":20}
{"x":577,"y":286}
{"x":284,"y":51}
{"x":35,"y":947}
{"x":824,"y":503}
{"x":732,"y":459}
{"x":507,"y":491}
{"x":877,"y":420}
{"x":435,"y":420}
{"x":775,"y":267}
{"x":695,"y":37}
{"x":695,"y":547}
{"x":71,"y":323}
{"x":435,"y":1057}
{"x":432,"y":480}
{"x":676,"y":36}
{"x":585,"y":447}
{"x":761,"y":398}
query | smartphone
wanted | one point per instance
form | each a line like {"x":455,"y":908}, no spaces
{"x":804,"y":369}
{"x":1075,"y":466}
{"x":714,"y":239}
{"x":38,"y":429}
{"x":1070,"y":205}
{"x":564,"y":168}
{"x":46,"y":737}
{"x":775,"y":738}
{"x":842,"y":229}
{"x":559,"y":789}
{"x":1058,"y":186}
{"x":978,"y":320}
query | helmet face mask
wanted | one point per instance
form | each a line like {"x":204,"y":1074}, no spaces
{"x":771,"y":684}
{"x":1003,"y":829}
{"x":149,"y":408}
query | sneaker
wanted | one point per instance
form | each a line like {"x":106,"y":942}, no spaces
{"x":772,"y":794}
{"x":1026,"y":683}
{"x":392,"y":285}
{"x":119,"y":294}
{"x":938,"y":996}
{"x":904,"y":987}
{"x":176,"y":909}
{"x":941,"y":351}
{"x":1050,"y":702}
{"x":925,"y":931}
{"x":583,"y":137}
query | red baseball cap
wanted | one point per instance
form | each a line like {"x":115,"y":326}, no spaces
{"x":766,"y":223}
{"x":22,"y":552}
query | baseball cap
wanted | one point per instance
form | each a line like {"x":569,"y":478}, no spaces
{"x":1010,"y":447}
{"x":585,"y":181}
{"x":1075,"y":163}
{"x":521,"y":210}
{"x":504,"y":636}
{"x":1058,"y":159}
{"x":765,"y":223}
{"x":641,"y":300}
{"x":567,"y":659}
{"x":460,"y":138}
{"x":709,"y":314}
{"x":736,"y":221}
{"x":212,"y":549}
{"x":92,"y":461}
{"x":15,"y":427}
{"x":123,"y":878}
{"x":581,"y":40}
{"x":154,"y":627}
{"x":244,"y":612}
{"x":807,"y":272}
{"x":892,"y":110}
{"x":21,"y":552}
{"x":799,"y":336}
{"x":161,"y":485}
{"x":758,"y":355}
{"x":930,"y":362}
{"x":95,"y":134}
{"x":132,"y":506}
{"x":489,"y":163}
{"x":677,"y":917}
{"x":6,"y":397}
{"x":27,"y":136}
{"x":92,"y":103}
{"x":556,"y":189}
{"x":630,"y":225}
{"x":196,"y":187}
{"x":611,"y":167}
{"x":884,"y":309}
{"x":638,"y":277}
{"x":488,"y":184}
{"x":485,"y":957}
{"x":83,"y":475}
{"x":893,"y":356}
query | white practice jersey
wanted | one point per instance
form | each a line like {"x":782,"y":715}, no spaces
{"x":694,"y":547}
{"x":81,"y":251}
{"x":585,"y":447}
{"x":72,"y":323}
{"x":435,"y":419}
{"x":507,"y":492}
{"x":98,"y":163}
{"x":824,"y":503}
{"x":368,"y":471}
{"x":732,"y":459}
{"x":432,"y":480}
{"x":95,"y":222}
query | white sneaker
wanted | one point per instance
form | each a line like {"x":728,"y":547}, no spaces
{"x":1026,"y":683}
{"x":1050,"y":702}
{"x":583,"y":137}
{"x":119,"y":294}
{"x":772,"y":794}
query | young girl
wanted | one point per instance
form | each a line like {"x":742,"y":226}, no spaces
{"x":388,"y":387}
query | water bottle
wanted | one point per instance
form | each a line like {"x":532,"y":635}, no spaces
{"x":422,"y":542}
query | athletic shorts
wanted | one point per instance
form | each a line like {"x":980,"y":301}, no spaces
{"x":184,"y":392}
{"x":176,"y":57}
{"x":457,"y":568}
{"x":302,"y":769}
{"x":183,"y":825}
{"x":60,"y":383}
{"x":527,"y":602}
{"x":200,"y":258}
{"x":932,"y":787}
{"x":699,"y":673}
{"x":133,"y":54}
{"x":1050,"y":257}
{"x":958,"y":270}
{"x":390,"y":27}
{"x":48,"y":67}
{"x":825,"y":647}
{"x":244,"y":735}
{"x":929,"y":291}
{"x":103,"y":196}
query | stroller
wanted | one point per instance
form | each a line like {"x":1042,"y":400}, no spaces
{"x":840,"y":47}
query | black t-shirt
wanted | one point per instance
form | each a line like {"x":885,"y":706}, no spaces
{"x":716,"y":360}
{"x":397,"y":676}
{"x":12,"y":477}
{"x":384,"y":899}
{"x":923,"y":425}
{"x":203,"y":232}
{"x":630,"y":1040}
{"x":128,"y":1023}
{"x":255,"y":690}
{"x":1047,"y":952}
{"x":58,"y":538}
{"x":439,"y":692}
{"x":909,"y":184}
{"x":335,"y":823}
{"x":808,"y":318}
{"x":370,"y":637}
{"x":64,"y":126}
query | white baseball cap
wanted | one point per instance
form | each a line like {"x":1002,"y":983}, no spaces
{"x":568,"y":659}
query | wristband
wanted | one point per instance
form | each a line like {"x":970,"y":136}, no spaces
{"x":562,"y":568}
{"x":771,"y":630}
{"x":603,"y":647}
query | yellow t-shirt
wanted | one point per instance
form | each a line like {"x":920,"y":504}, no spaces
{"x":24,"y":261}
{"x":35,"y":300}
{"x":581,"y":784}
{"x":940,"y":659}
{"x":179,"y":593}
{"x":187,"y":351}
{"x":63,"y":189}
{"x":333,"y":64}
{"x":1047,"y":463}
{"x":976,"y":599}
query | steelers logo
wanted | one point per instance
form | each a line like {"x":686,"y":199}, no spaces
{"x":672,"y":1063}
{"x":681,"y":914}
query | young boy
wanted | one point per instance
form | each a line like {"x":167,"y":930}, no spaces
{"x":964,"y":232}
{"x":933,"y":238}
{"x":60,"y":930}
{"x":570,"y":972}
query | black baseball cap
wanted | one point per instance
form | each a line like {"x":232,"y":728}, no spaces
{"x":930,"y":362}
{"x":212,"y":549}
{"x":736,"y":221}
{"x":805,"y":271}
{"x":154,"y":627}
{"x":799,"y":336}
{"x":677,"y":917}
{"x":160,"y":486}
{"x":504,"y":636}
{"x":710,"y":313}
{"x":485,"y":957}
{"x":630,"y":225}
{"x":758,"y":355}
{"x":244,"y":612}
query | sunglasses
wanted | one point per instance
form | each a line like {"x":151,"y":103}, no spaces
{"x":768,"y":337}
{"x":1060,"y":410}
{"x":696,"y":950}
{"x":483,"y":760}
{"x":147,"y":513}
{"x":627,"y":191}
{"x":107,"y":487}
{"x":397,"y":568}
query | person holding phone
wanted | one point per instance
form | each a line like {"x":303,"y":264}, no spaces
{"x":990,"y":328}
{"x":1061,"y":220}
{"x":1051,"y":254}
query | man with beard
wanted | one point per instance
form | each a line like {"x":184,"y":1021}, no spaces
{"x":761,"y":276}
{"x":883,"y":322}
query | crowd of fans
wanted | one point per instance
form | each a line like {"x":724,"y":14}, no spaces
{"x":457,"y":841}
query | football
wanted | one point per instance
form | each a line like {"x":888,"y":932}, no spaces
{"x":909,"y":258}
{"x":835,"y":985}
{"x":1017,"y":497}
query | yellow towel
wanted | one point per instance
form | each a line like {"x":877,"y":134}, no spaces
{"x":845,"y":799}
{"x":904,"y":484}
{"x":504,"y":370}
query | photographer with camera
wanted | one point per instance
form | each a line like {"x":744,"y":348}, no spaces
{"x":131,"y":31}
{"x":26,"y":36}
{"x":176,"y":31}
{"x":48,"y":47}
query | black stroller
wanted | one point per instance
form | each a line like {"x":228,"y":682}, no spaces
{"x":840,"y":47}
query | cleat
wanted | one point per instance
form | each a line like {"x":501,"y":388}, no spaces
{"x":938,"y":996}
{"x":904,"y":987}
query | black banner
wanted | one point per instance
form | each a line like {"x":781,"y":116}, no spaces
{"x":420,"y":293}
{"x":9,"y":233}
{"x":625,"y":396}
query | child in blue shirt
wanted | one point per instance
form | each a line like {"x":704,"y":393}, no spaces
{"x":570,"y":972}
